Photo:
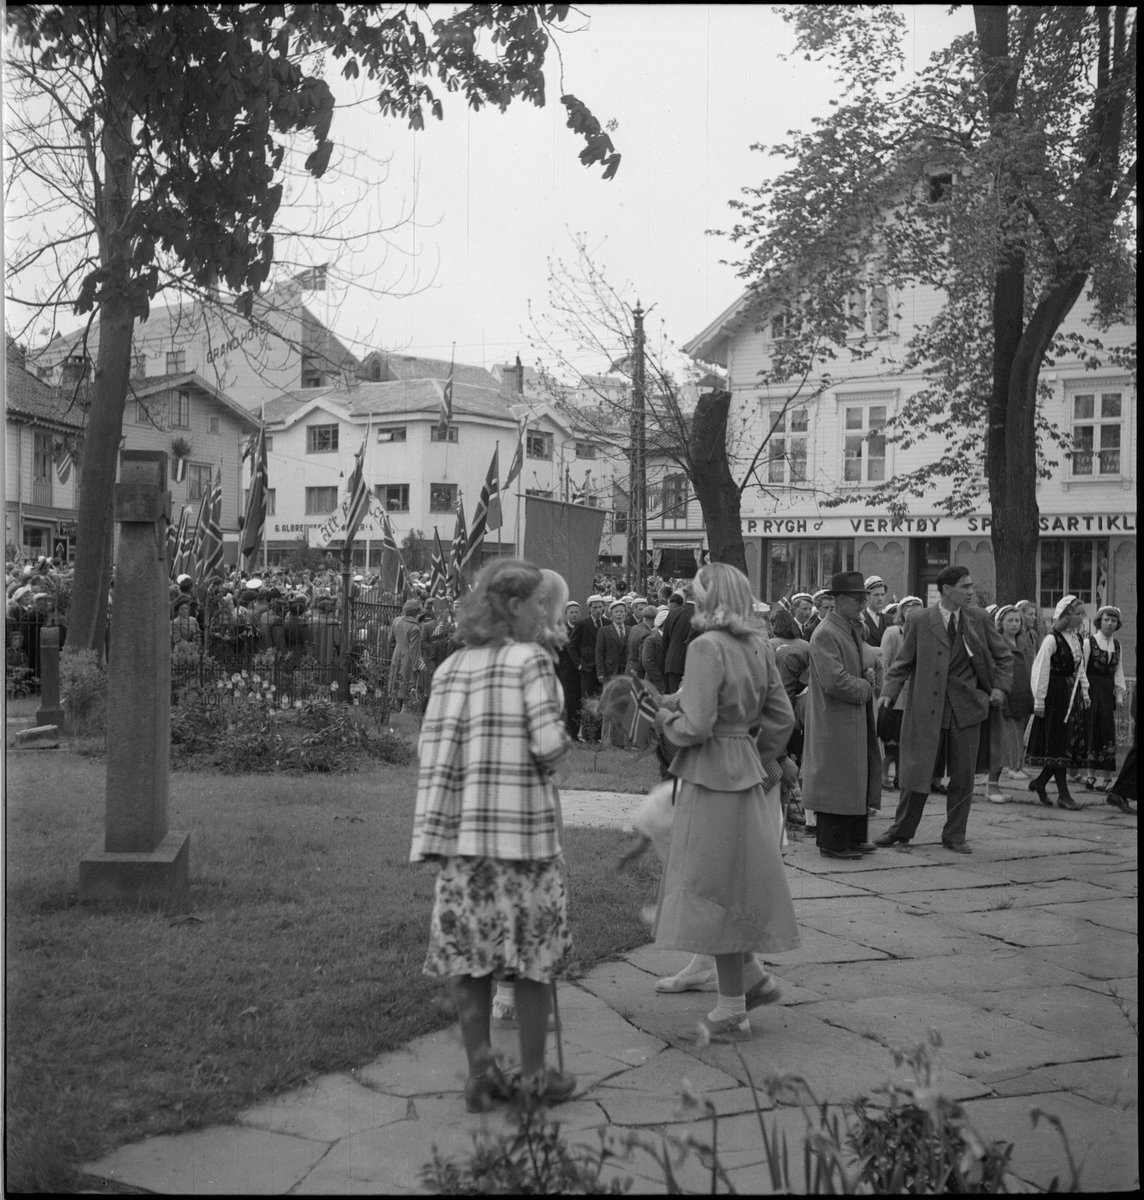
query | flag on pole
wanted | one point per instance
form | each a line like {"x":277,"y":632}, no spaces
{"x":175,"y":536}
{"x":643,"y":714}
{"x":359,"y":494}
{"x":494,"y":517}
{"x":399,"y":589}
{"x":580,"y":494}
{"x":210,"y":548}
{"x":197,"y":542}
{"x":447,"y":403}
{"x":518,"y":458}
{"x":63,"y":460}
{"x":254,"y":523}
{"x":481,"y":517}
{"x":438,"y":575}
{"x":183,"y":560}
{"x":460,"y":540}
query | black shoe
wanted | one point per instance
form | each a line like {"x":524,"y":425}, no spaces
{"x":1066,"y":801}
{"x":1042,"y":795}
{"x":864,"y":847}
{"x":956,"y":847}
{"x":937,"y":788}
{"x":891,"y":840}
{"x":848,"y":852}
{"x":1117,"y":802}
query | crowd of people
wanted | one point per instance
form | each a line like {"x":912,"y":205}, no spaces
{"x":750,"y":699}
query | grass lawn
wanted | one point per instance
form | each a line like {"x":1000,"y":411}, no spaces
{"x":300,"y":952}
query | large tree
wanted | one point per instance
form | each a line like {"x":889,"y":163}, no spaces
{"x":1003,"y":175}
{"x":180,"y":119}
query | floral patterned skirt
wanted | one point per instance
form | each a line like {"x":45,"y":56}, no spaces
{"x":500,"y":917}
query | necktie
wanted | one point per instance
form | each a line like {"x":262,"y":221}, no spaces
{"x":952,"y":629}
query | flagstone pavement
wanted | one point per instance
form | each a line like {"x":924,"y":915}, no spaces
{"x":1023,"y":955}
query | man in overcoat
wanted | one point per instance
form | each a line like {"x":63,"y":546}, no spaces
{"x":841,"y":762}
{"x":958,"y":665}
{"x":677,"y":633}
{"x":612,"y":659}
{"x":583,"y":643}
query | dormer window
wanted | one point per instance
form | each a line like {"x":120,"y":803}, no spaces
{"x":939,"y":187}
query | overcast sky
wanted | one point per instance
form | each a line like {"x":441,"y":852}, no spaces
{"x":492,"y":197}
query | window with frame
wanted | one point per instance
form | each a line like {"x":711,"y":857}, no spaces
{"x":787,"y":449}
{"x":442,"y":497}
{"x":198,"y":480}
{"x":143,"y":414}
{"x":182,"y":409}
{"x":1097,"y":425}
{"x":321,"y":439}
{"x":538,"y":444}
{"x":214,"y":425}
{"x":435,"y":434}
{"x":394,"y":497}
{"x":868,"y":310}
{"x":312,"y":376}
{"x":41,"y":457}
{"x":781,"y":326}
{"x":176,"y":362}
{"x":271,"y":500}
{"x":392,"y":433}
{"x":1076,"y":566}
{"x":863,"y":443}
{"x":585,"y":450}
{"x":139,"y":366}
{"x":938,"y":187}
{"x":269,"y":443}
{"x":675,"y":497}
{"x":321,"y":500}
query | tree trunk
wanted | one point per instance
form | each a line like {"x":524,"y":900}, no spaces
{"x":718,"y":494}
{"x":88,"y":616}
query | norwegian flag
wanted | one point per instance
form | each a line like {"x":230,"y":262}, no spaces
{"x":460,"y":540}
{"x":359,"y":494}
{"x":485,"y":508}
{"x":438,"y":574}
{"x":446,"y":404}
{"x":257,"y":500}
{"x":517,"y":464}
{"x":643,"y":715}
{"x":175,"y":536}
{"x":210,"y":542}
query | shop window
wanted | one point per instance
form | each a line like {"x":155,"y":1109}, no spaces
{"x":394,"y":497}
{"x":321,"y":439}
{"x":787,"y":448}
{"x":435,"y":434}
{"x":392,"y":433}
{"x":1097,"y":423}
{"x":271,"y":500}
{"x":442,"y":497}
{"x":538,"y":444}
{"x":864,"y":443}
{"x":806,"y":564}
{"x":1076,"y":566}
{"x":320,"y":500}
{"x":198,"y":481}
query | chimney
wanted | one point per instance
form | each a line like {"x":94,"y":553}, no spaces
{"x":519,"y":372}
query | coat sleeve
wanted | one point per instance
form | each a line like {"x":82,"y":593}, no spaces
{"x":776,"y":716}
{"x":698,"y":709}
{"x":575,"y":647}
{"x":826,"y":663}
{"x":651,"y":659}
{"x":547,"y":737}
{"x":905,"y":659}
{"x":1039,"y":676}
{"x":601,"y":654}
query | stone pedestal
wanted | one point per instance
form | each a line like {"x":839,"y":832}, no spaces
{"x":50,"y":712}
{"x":140,"y":860}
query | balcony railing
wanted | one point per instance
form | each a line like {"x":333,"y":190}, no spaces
{"x":42,"y":492}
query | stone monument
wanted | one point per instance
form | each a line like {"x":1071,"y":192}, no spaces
{"x":139,"y":859}
{"x":50,"y":712}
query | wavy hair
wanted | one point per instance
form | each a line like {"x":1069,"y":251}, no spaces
{"x":723,"y":600}
{"x":484,"y":617}
{"x":554,"y":592}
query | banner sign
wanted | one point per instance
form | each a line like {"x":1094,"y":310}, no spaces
{"x":334,"y":525}
{"x":566,"y":538}
{"x":933,"y":526}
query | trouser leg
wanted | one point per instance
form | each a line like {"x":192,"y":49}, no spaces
{"x":962,"y":747}
{"x":908,"y":814}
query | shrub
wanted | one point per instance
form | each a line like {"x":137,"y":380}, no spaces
{"x":83,"y":689}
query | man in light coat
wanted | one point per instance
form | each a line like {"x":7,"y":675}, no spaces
{"x":958,"y":666}
{"x":841,"y":763}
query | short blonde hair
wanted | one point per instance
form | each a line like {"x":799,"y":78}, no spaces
{"x":554,"y":593}
{"x":723,"y":600}
{"x":485,"y":618}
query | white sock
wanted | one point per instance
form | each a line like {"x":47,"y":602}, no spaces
{"x":728,"y":1007}
{"x":506,"y":996}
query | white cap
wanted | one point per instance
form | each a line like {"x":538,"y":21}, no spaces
{"x":358,"y":578}
{"x":21,"y":591}
{"x":181,"y":578}
{"x":875,"y":581}
{"x":660,"y":617}
{"x":617,"y":603}
{"x":760,"y":607}
{"x":639,"y":599}
{"x":595,"y":599}
{"x":252,"y":585}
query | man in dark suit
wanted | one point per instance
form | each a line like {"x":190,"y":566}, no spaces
{"x":568,"y":665}
{"x":958,"y":666}
{"x":583,"y":642}
{"x":676,"y":635}
{"x":872,"y":617}
{"x":823,"y":602}
{"x":612,"y":659}
{"x":801,"y":609}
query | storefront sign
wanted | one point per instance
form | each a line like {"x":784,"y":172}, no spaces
{"x":930,"y":526}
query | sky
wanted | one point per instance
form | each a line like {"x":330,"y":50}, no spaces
{"x":479,"y":203}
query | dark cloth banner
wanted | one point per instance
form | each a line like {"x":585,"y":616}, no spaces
{"x":565,"y":538}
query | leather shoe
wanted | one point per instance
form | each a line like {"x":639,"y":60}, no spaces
{"x":766,"y":991}
{"x":847,"y":853}
{"x":864,"y":847}
{"x":957,"y":847}
{"x":890,"y":840}
{"x":938,"y":789}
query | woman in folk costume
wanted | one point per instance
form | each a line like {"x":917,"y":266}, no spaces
{"x":724,"y":890}
{"x":1107,"y":692}
{"x":404,"y":652}
{"x":492,"y":746}
{"x":1057,"y":737}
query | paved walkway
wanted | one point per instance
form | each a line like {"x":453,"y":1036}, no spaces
{"x":1023,"y":955}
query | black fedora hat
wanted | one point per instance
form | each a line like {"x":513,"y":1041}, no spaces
{"x":851,"y":582}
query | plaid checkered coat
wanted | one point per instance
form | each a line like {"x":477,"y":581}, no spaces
{"x":491,"y":739}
